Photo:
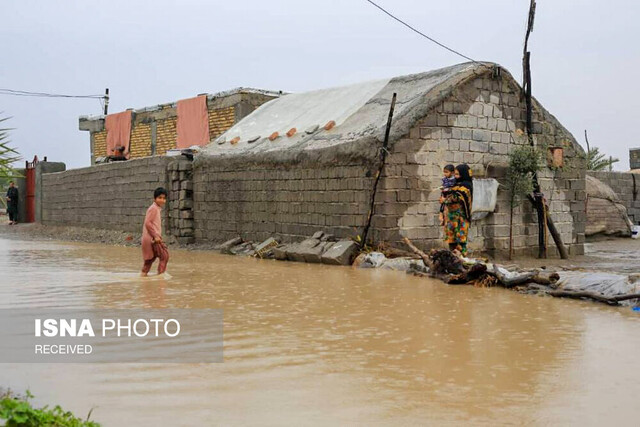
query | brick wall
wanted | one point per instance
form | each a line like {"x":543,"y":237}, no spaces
{"x":627,"y":186}
{"x":166,"y":135}
{"x":140,"y":145}
{"x":479,"y":124}
{"x":220,"y":120}
{"x":108,"y":196}
{"x":100,"y":143}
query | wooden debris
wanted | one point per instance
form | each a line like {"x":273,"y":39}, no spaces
{"x":450,"y":267}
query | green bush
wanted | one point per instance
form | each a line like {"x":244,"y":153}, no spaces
{"x":524,"y":162}
{"x":16,"y":412}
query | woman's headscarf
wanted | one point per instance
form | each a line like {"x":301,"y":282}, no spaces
{"x":464,"y":188}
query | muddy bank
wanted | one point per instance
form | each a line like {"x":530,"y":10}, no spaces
{"x":69,"y":234}
{"x":87,"y":235}
{"x":617,"y":255}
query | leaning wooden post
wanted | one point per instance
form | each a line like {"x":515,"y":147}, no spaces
{"x":554,"y":233}
{"x":383,"y":157}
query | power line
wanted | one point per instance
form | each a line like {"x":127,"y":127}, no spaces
{"x":421,"y":33}
{"x":14,"y":92}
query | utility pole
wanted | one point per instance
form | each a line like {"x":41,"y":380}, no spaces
{"x":106,"y":101}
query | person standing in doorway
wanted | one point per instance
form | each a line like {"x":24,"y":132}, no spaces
{"x":152,"y":244}
{"x":458,"y":209}
{"x":12,"y":203}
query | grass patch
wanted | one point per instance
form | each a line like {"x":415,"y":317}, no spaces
{"x":16,"y":411}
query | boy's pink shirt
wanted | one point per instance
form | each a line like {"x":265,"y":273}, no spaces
{"x":151,"y":229}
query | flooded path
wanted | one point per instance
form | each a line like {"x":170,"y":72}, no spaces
{"x":316,"y":345}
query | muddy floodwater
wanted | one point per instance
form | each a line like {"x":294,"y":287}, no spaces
{"x":321,"y":345}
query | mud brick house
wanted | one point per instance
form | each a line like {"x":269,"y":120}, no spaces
{"x":154,"y":130}
{"x":306,"y":161}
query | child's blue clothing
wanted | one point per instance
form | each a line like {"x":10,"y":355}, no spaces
{"x":447,"y":183}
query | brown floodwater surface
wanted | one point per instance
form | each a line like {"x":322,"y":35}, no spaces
{"x":316,"y":345}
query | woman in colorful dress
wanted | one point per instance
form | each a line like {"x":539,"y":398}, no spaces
{"x":458,"y":210}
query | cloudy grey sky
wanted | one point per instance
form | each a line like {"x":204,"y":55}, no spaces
{"x":585,"y":56}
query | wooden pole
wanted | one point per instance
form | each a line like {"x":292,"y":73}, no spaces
{"x":511,"y":226}
{"x":526,"y":74}
{"x":106,"y":101}
{"x":586,"y":138}
{"x":383,"y":158}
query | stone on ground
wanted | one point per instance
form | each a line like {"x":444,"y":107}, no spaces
{"x":225,"y":247}
{"x":341,"y":253}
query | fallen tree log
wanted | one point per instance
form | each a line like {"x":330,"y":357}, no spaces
{"x":425,"y":257}
{"x":513,"y":279}
{"x":613,"y":300}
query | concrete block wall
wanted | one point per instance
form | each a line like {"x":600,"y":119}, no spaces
{"x":479,"y":124}
{"x":109,"y":196}
{"x":261,"y":200}
{"x":627,"y":186}
{"x":43,"y":168}
{"x":180,"y":208}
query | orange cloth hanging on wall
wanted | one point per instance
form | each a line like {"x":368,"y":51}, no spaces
{"x":118,"y":127}
{"x":193,"y":122}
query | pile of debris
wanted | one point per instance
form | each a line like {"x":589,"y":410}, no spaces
{"x":455,"y":270}
{"x":319,"y":248}
{"x":450,"y":267}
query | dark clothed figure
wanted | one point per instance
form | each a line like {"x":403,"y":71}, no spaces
{"x":12,"y":204}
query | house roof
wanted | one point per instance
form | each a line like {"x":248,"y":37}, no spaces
{"x":359,"y":111}
{"x":210,"y":97}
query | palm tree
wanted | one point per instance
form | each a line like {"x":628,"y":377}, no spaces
{"x":597,"y":161}
{"x":7,"y":154}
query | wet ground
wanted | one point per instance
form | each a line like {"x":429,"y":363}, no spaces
{"x":317,"y":345}
{"x":615,"y":255}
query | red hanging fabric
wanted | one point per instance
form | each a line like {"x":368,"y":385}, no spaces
{"x":193,"y":122}
{"x":118,"y":127}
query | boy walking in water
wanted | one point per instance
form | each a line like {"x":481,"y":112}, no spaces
{"x":152,"y":244}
